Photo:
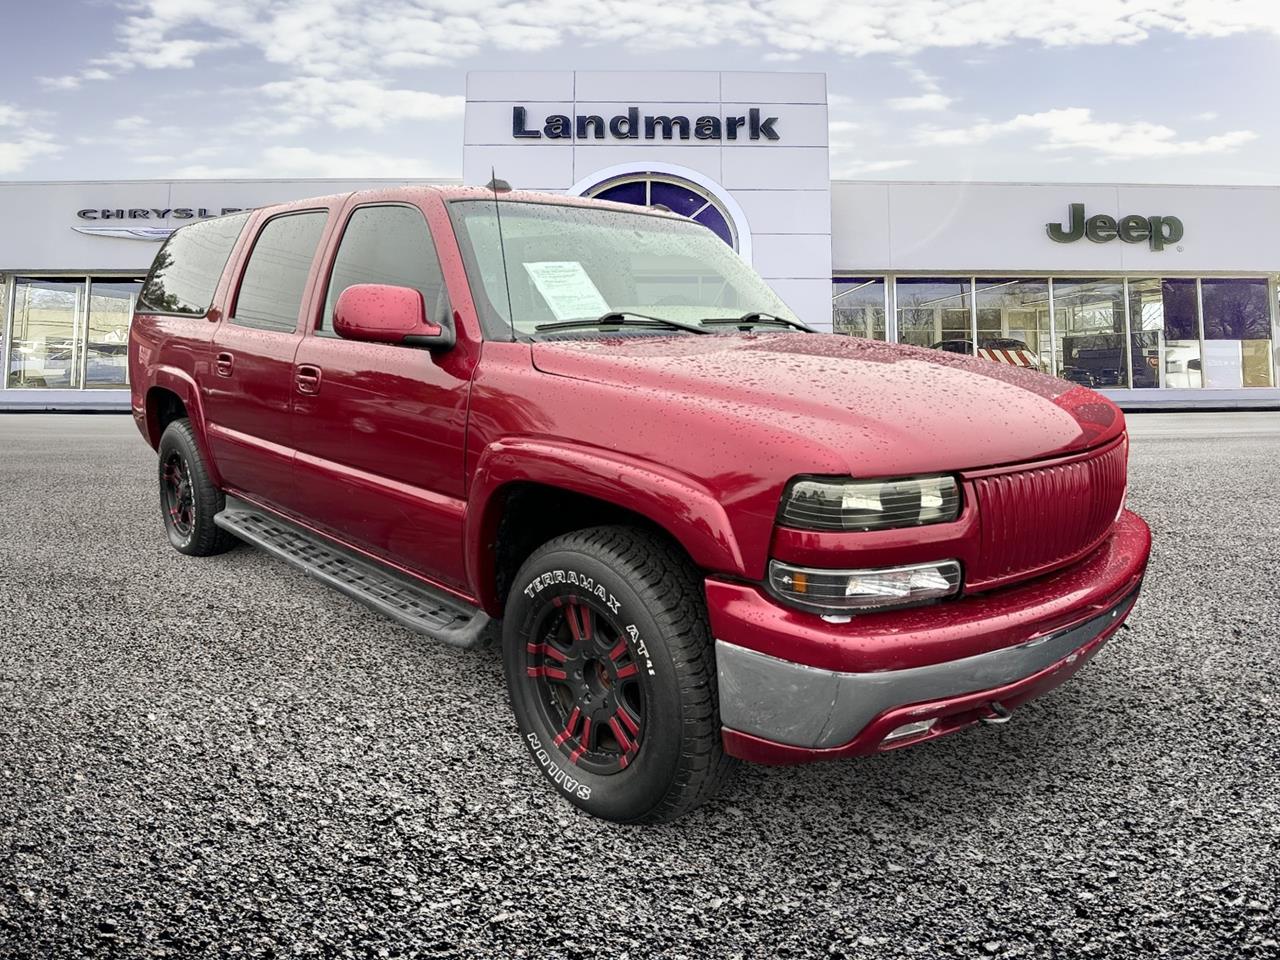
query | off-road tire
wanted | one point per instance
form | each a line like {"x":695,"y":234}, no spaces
{"x":191,"y":531}
{"x":646,"y":601}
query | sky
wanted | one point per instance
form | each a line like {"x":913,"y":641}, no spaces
{"x":1174,"y":91}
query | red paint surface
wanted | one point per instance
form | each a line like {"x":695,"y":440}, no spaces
{"x":407,"y":455}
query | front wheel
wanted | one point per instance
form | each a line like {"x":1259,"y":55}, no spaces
{"x":611,"y":673}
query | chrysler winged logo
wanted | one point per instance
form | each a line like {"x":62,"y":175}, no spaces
{"x":128,"y":233}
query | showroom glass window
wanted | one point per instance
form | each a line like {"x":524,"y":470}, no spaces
{"x":45,"y":346}
{"x":1164,"y":333}
{"x":391,"y":245}
{"x":1013,"y":321}
{"x":857,"y":307}
{"x":1088,"y":317}
{"x":275,"y":277}
{"x":935,"y":311}
{"x":111,"y":305}
{"x":1237,"y":333}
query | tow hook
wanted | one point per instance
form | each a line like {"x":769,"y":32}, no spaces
{"x":999,"y":713}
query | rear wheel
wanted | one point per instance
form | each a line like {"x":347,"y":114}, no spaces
{"x":188,"y":499}
{"x":611,"y":673}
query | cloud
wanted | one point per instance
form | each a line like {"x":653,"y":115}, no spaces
{"x":302,"y":162}
{"x":352,"y":37}
{"x":925,"y":101}
{"x":11,"y":116}
{"x":930,"y":96}
{"x":349,"y":104}
{"x":1074,"y":128}
{"x":132,"y":124}
{"x":862,"y":167}
{"x":20,"y":142}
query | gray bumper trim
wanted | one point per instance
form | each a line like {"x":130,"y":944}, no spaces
{"x":803,"y":706}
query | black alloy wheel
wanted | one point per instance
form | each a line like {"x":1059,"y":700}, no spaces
{"x":588,"y":684}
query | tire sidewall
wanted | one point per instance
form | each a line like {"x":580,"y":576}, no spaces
{"x":630,"y":793}
{"x":175,"y":440}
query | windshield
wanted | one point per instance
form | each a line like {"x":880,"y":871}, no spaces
{"x":567,"y":263}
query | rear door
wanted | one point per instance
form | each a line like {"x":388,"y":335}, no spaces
{"x":250,"y":386}
{"x":380,"y":428}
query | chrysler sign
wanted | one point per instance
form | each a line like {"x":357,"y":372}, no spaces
{"x":632,"y":126}
{"x":139,"y":223}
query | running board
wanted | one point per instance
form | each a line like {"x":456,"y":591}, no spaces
{"x":412,"y":603}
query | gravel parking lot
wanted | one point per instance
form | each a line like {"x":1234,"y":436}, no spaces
{"x":223,"y":756}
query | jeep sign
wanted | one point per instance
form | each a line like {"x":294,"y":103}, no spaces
{"x":1100,"y":228}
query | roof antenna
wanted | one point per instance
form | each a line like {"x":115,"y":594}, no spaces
{"x":501,"y":186}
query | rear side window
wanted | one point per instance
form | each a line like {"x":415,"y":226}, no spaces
{"x":185,"y":273}
{"x":386,"y":244}
{"x":275,"y":277}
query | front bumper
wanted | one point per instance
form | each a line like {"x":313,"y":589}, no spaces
{"x":794,"y":688}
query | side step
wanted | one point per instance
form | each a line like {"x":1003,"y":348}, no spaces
{"x":415,"y":604}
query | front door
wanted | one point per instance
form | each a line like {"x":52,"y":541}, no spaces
{"x":250,"y":386}
{"x":380,"y":429}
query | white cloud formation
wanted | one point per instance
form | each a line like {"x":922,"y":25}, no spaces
{"x":131,"y":124}
{"x":346,"y":37}
{"x":930,"y":97}
{"x":1074,"y":128}
{"x":364,"y":103}
{"x":20,"y":141}
{"x":302,"y":162}
{"x":863,"y":167}
{"x":925,"y":101}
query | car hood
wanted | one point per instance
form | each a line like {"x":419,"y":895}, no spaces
{"x":920,"y":409}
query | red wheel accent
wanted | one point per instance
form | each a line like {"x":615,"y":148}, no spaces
{"x":632,"y":727}
{"x":630,"y":670}
{"x":567,"y":732}
{"x":579,"y":617}
{"x":551,"y":673}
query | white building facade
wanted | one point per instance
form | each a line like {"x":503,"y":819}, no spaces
{"x":1158,"y":296}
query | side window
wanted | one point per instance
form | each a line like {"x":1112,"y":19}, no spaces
{"x":185,"y":273}
{"x":275,"y":277}
{"x":387,"y":244}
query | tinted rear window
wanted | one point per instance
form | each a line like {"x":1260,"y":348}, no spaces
{"x":185,"y":273}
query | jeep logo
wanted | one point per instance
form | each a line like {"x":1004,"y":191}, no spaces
{"x":1157,"y":231}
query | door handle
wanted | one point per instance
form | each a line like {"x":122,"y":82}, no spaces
{"x":308,"y":378}
{"x":224,"y":363}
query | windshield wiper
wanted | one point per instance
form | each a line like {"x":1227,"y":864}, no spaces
{"x":757,"y":316}
{"x":619,"y":318}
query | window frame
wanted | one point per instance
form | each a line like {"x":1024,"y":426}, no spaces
{"x":332,"y":249}
{"x":247,"y":258}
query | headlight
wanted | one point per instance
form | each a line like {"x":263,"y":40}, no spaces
{"x":856,"y":591}
{"x":870,"y":504}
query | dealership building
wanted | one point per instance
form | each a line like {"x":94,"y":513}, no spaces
{"x":1160,"y":296}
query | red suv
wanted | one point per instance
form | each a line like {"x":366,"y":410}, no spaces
{"x":699,"y":530}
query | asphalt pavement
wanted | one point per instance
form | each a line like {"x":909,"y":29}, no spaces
{"x":223,"y":757}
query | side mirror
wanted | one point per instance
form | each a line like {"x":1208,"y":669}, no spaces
{"x":381,"y":313}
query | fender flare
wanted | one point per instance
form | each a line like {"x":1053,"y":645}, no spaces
{"x":676,"y":503}
{"x":180,"y":383}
